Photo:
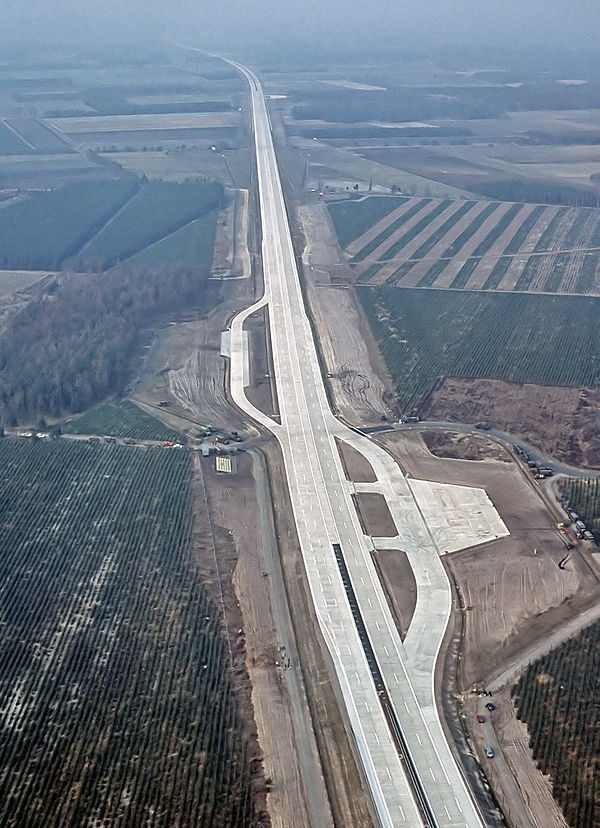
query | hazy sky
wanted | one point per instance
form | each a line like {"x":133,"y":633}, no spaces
{"x":540,"y":22}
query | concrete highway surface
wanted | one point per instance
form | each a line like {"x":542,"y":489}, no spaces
{"x":387,"y":686}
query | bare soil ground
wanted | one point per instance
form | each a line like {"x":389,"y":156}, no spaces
{"x":357,"y":467}
{"x":400,"y":585}
{"x":438,"y":165}
{"x":233,"y":504}
{"x":185,"y":367}
{"x":562,"y":422}
{"x":217,"y":569}
{"x":223,"y":248}
{"x":511,"y":588}
{"x":375,"y":515}
{"x":360,"y":386}
{"x":523,"y":792}
{"x":348,"y":167}
{"x":344,"y":783}
{"x":461,"y":446}
{"x":261,"y":392}
{"x":12,"y":281}
{"x":17,"y":289}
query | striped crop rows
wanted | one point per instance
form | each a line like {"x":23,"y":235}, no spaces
{"x":558,"y":699}
{"x":116,"y":706}
{"x":426,"y":334}
{"x":474,"y":245}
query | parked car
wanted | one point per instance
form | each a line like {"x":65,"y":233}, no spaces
{"x":490,"y":706}
{"x":480,"y":718}
{"x":489,"y":752}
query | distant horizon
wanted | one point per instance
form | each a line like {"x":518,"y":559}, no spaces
{"x":329,"y":23}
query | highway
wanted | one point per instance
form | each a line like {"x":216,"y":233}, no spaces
{"x":387,"y":685}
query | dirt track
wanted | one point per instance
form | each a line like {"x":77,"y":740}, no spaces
{"x":524,"y":793}
{"x":560,"y":421}
{"x":269,"y":653}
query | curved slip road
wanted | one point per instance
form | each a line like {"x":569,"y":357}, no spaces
{"x":325,"y":516}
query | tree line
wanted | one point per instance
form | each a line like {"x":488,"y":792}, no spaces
{"x":72,"y":346}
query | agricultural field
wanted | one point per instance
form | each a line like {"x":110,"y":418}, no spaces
{"x":115,"y":690}
{"x":552,"y":174}
{"x":11,"y":144}
{"x":156,"y":210}
{"x":426,"y":334}
{"x":37,"y":135}
{"x":44,"y":230}
{"x":334,"y":169}
{"x":557,"y":698}
{"x":583,"y":495}
{"x":121,"y":418}
{"x":130,"y":141}
{"x":157,"y":122}
{"x":230,"y":168}
{"x":352,"y":218}
{"x":189,"y":246}
{"x":48,"y":171}
{"x":474,"y":245}
{"x":15,"y":281}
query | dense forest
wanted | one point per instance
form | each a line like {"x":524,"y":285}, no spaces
{"x":69,"y":349}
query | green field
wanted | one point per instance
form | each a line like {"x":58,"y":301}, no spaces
{"x":115,"y":686}
{"x":50,"y":226}
{"x":583,"y":495}
{"x":424,"y":334}
{"x":352,"y":218}
{"x":38,"y":135}
{"x":121,"y":419}
{"x":10,"y":144}
{"x":157,"y":209}
{"x":557,"y":697}
{"x":190,"y":246}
